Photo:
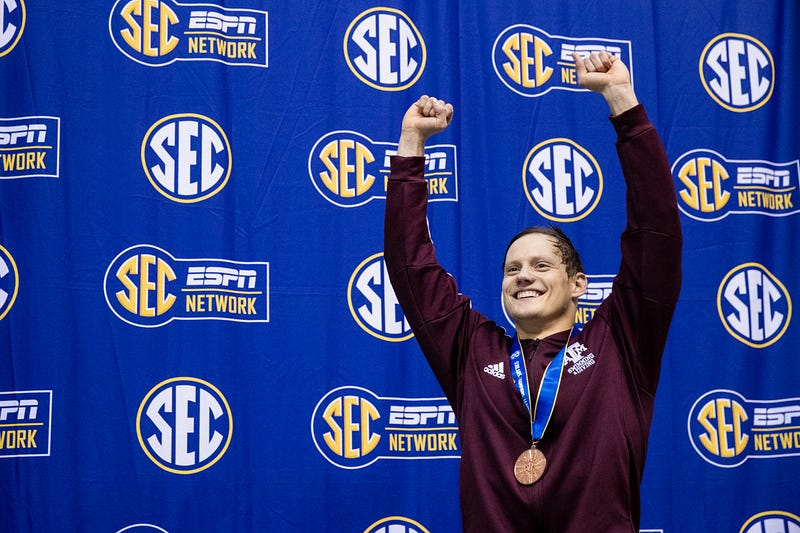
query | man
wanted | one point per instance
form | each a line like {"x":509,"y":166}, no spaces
{"x":569,"y":458}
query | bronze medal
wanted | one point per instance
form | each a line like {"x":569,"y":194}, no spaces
{"x":530,"y":466}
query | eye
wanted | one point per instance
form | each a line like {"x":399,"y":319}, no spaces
{"x":512,"y":269}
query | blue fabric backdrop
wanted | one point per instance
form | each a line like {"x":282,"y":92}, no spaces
{"x":196,"y":331}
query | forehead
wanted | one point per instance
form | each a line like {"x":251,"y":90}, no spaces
{"x":533,"y":245}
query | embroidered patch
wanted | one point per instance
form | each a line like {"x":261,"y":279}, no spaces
{"x":577,"y":357}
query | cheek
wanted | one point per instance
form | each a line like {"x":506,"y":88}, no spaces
{"x":508,"y":300}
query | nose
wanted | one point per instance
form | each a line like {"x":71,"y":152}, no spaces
{"x":525,"y":275}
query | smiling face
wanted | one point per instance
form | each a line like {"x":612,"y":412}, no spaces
{"x":538,"y":293}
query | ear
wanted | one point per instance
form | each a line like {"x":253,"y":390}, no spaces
{"x":579,"y":283}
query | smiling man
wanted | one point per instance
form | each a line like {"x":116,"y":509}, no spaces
{"x":546,"y":449}
{"x":542,"y":281}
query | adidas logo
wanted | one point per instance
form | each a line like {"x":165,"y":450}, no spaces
{"x":495,"y":370}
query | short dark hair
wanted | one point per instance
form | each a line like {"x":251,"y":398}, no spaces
{"x":569,"y":255}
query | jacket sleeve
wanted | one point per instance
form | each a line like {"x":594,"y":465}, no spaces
{"x":647,"y":287}
{"x":439,"y":315}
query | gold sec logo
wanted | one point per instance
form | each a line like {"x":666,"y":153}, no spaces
{"x":531,"y":62}
{"x":146,"y":286}
{"x":353,"y":427}
{"x":159,"y":32}
{"x":726,"y":429}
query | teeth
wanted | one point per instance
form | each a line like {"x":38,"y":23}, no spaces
{"x":528,"y":294}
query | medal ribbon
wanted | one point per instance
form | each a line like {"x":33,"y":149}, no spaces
{"x":548,"y":390}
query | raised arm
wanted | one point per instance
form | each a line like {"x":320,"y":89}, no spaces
{"x":603,"y":73}
{"x":438,"y":314}
{"x":647,"y":286}
{"x":427,"y":116}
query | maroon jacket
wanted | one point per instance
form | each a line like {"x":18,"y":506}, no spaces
{"x":596,"y":442}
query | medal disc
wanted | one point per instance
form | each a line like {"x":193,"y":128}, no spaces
{"x":530,"y":466}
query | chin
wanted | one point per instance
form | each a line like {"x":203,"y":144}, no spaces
{"x":517,"y":317}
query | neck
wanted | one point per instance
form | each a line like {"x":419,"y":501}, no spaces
{"x":533,"y":331}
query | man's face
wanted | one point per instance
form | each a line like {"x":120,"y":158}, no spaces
{"x":536,"y":288}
